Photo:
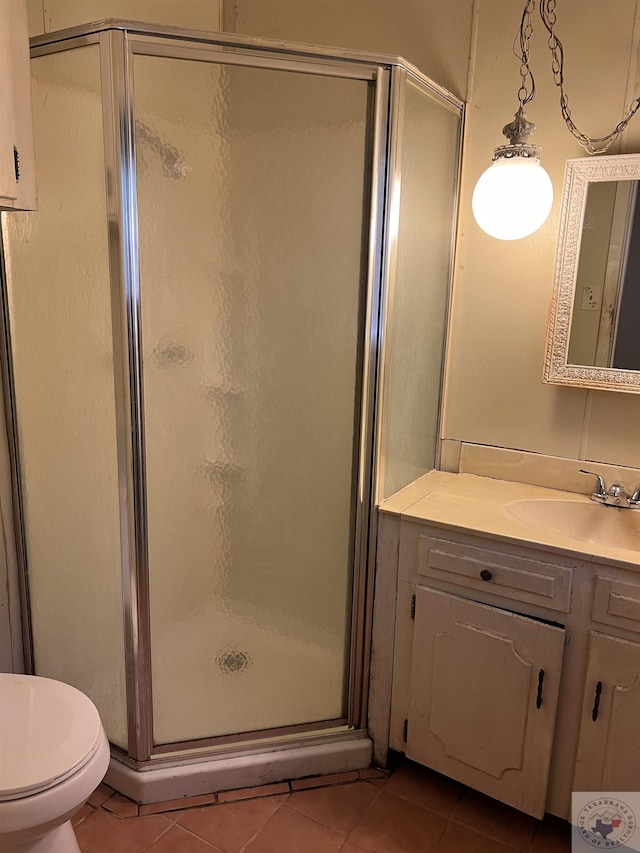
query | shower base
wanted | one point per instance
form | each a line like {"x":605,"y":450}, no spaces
{"x":191,"y":775}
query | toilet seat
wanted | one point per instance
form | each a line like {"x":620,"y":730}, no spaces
{"x":48,"y":732}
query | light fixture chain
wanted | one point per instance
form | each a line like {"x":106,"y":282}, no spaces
{"x":597,"y":145}
{"x":527,"y":89}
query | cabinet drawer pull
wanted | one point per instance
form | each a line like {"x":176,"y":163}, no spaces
{"x":16,"y":163}
{"x":596,"y":702}
{"x":486,"y":575}
{"x":540,"y":682}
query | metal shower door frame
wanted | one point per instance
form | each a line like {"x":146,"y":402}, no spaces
{"x":117,"y":51}
{"x":382,"y":605}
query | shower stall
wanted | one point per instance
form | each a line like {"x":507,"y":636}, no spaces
{"x":224,"y":342}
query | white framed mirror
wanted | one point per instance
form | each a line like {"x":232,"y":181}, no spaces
{"x":594,"y":322}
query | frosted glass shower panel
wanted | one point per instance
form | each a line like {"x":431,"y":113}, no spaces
{"x":251,"y":187}
{"x":60,"y":317}
{"x":416,"y":321}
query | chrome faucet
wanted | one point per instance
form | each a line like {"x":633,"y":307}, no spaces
{"x":615,"y":496}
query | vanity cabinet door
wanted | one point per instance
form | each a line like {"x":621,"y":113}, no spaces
{"x":609,"y":744}
{"x":483,"y":695}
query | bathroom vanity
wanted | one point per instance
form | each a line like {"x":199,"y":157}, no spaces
{"x":516,"y":663}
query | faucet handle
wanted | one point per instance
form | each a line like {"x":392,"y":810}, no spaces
{"x":635,"y":497}
{"x":618,"y":494}
{"x":600,"y":488}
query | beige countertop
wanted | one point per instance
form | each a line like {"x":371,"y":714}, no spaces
{"x":498,"y":509}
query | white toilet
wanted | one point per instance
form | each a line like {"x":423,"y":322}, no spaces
{"x":53,"y":754}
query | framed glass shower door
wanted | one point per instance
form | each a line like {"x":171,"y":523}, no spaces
{"x":252,"y":224}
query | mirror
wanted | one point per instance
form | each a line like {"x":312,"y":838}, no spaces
{"x":594,"y":328}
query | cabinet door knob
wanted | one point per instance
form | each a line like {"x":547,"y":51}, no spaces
{"x":486,"y":575}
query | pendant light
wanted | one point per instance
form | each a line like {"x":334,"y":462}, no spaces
{"x":513,"y":197}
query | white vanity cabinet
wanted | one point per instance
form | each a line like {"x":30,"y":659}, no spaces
{"x":516,"y":670}
{"x":483,"y":694}
{"x":17,"y":159}
{"x":608,"y":756}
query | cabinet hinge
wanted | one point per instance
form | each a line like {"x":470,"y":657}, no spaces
{"x":405,"y":729}
{"x":413,"y":606}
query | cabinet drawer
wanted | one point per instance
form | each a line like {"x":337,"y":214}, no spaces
{"x":506,"y":575}
{"x":616,"y":603}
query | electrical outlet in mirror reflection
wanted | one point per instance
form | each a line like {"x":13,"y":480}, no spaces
{"x":591,"y":297}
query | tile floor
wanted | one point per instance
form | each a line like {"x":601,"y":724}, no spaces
{"x":410,"y":810}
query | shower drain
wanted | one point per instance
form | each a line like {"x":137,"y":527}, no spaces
{"x":233,"y":660}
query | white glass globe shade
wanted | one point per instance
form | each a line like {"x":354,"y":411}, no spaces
{"x":512,"y":198}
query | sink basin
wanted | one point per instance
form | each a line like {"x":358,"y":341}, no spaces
{"x":585,"y":521}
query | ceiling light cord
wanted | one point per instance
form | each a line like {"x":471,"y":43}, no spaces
{"x":597,"y":145}
{"x":527,"y":90}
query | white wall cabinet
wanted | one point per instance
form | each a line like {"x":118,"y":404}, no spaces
{"x":488,"y":617}
{"x":17,"y":159}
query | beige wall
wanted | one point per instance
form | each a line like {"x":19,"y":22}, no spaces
{"x":45,"y":16}
{"x":433,"y":34}
{"x":502,"y":290}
